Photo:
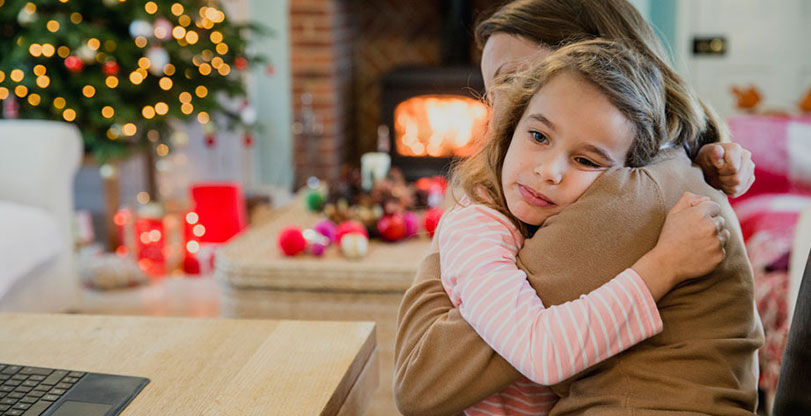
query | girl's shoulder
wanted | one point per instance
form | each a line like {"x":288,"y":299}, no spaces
{"x":467,"y":213}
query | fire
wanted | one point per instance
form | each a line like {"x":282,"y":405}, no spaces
{"x":439,"y":125}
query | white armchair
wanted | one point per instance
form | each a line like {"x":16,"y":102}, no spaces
{"x":38,"y":163}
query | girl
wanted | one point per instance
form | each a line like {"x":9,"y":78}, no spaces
{"x":589,"y":107}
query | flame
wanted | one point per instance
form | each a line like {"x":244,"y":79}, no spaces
{"x":439,"y":125}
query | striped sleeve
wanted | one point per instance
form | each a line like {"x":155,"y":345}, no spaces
{"x":477,"y":250}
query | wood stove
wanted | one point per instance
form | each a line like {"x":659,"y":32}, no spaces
{"x":435,"y":114}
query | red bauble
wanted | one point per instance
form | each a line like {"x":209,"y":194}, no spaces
{"x":432,"y":217}
{"x":291,"y":241}
{"x":110,"y":68}
{"x":392,"y":227}
{"x":347,"y":227}
{"x":248,"y":140}
{"x":211,"y":141}
{"x":74,"y":64}
{"x":240,"y":63}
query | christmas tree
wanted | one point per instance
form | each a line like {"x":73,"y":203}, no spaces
{"x":122,"y":70}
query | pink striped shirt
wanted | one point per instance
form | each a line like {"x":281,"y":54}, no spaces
{"x":477,"y":252}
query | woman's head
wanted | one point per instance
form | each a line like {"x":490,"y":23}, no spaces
{"x":559,"y":125}
{"x":524,"y":30}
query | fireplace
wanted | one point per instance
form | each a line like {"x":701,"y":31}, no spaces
{"x":434,"y":114}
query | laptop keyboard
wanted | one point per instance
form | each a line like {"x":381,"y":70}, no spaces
{"x":29,"y":391}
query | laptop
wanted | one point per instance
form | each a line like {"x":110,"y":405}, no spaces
{"x":38,"y":391}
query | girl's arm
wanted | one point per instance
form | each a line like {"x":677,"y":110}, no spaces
{"x":478,"y":248}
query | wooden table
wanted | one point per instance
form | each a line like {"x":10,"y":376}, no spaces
{"x":259,"y":282}
{"x":209,"y":367}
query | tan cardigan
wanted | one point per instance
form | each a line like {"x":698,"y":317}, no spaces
{"x":703,"y":362}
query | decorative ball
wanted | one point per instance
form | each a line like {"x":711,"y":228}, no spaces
{"x":86,"y":54}
{"x":412,"y":223}
{"x":211,"y":141}
{"x":327,"y":228}
{"x":162,"y":28}
{"x":354,"y":245}
{"x":392,"y":227}
{"x":291,"y":241}
{"x":158,"y":58}
{"x":140,"y":28}
{"x":317,"y":242}
{"x":314,"y":200}
{"x":350,"y":226}
{"x":247,"y":141}
{"x":248,"y":115}
{"x":74,"y":64}
{"x":25,"y":18}
{"x":432,"y":216}
{"x":240,"y":63}
{"x":110,"y":68}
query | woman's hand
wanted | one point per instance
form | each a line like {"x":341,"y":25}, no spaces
{"x":691,"y":244}
{"x":728,"y":167}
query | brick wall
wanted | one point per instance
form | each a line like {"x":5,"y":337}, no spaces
{"x":321,"y":40}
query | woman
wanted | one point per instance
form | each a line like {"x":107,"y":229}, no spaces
{"x":443,"y":366}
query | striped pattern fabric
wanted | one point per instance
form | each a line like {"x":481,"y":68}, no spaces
{"x":477,"y":250}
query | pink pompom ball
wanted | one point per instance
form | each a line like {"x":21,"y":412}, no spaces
{"x":291,"y":241}
{"x":412,"y":223}
{"x":327,"y":228}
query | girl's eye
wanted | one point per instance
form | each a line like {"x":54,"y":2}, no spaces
{"x":587,"y":163}
{"x":539,"y":137}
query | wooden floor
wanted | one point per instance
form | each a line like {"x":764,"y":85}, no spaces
{"x":171,"y":296}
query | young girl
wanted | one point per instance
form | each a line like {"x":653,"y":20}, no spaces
{"x":589,"y":107}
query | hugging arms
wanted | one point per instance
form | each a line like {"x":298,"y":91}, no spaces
{"x":443,"y":366}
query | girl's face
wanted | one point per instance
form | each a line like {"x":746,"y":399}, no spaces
{"x":504,"y":54}
{"x":568,"y":136}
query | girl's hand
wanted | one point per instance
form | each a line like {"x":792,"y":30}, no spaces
{"x":691,"y":244}
{"x":728,"y":167}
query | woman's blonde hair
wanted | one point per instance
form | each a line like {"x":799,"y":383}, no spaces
{"x":555,"y":23}
{"x":631,"y":82}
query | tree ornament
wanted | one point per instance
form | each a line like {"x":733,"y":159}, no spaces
{"x":314,"y":200}
{"x":211,"y":141}
{"x":248,"y":140}
{"x":392,"y":227}
{"x":248,"y":115}
{"x":349,"y":226}
{"x":326,"y":228}
{"x":162,"y":29}
{"x":26,"y":16}
{"x":240,"y":63}
{"x":86,"y":54}
{"x":316,"y":242}
{"x":140,"y":28}
{"x":158,"y":58}
{"x":291,"y":241}
{"x":432,"y":217}
{"x":110,"y":68}
{"x":412,"y":223}
{"x":354,"y":245}
{"x":74,"y":64}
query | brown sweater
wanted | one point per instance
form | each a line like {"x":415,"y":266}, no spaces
{"x":704,"y":362}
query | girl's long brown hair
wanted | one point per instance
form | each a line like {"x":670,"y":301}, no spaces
{"x":631,"y":82}
{"x":555,"y":23}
